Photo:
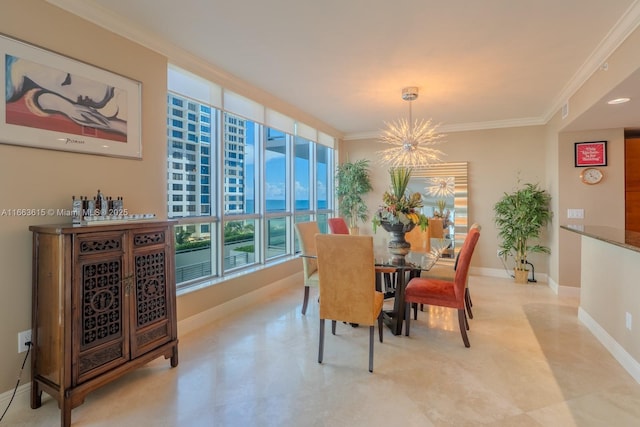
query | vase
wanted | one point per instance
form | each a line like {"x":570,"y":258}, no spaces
{"x":398,"y":246}
{"x":521,"y":276}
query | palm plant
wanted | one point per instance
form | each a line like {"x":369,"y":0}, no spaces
{"x":352,"y":182}
{"x":520,"y":216}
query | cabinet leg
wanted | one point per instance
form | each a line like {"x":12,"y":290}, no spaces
{"x":36,"y":395}
{"x":174,"y":358}
{"x":65,"y":413}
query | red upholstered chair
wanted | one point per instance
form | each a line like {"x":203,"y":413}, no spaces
{"x":338,"y":226}
{"x":444,"y":271}
{"x":348,"y":294}
{"x":445,"y":293}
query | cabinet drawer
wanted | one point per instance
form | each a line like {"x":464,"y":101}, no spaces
{"x":99,"y":243}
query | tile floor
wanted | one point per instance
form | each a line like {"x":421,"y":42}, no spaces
{"x":531,"y":363}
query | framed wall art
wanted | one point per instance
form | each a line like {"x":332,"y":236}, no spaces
{"x":591,"y":153}
{"x":58,"y":103}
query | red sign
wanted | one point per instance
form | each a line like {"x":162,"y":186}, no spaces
{"x":591,"y":153}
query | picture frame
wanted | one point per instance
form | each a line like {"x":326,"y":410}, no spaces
{"x":592,"y":153}
{"x":55,"y":102}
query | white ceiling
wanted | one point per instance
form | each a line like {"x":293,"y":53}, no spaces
{"x":478,"y":64}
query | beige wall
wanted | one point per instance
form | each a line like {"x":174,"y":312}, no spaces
{"x":36,"y":178}
{"x":603,"y":203}
{"x":607,"y":294}
{"x":495,"y":160}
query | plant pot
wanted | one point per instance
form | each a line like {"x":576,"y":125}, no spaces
{"x":521,"y":276}
{"x":398,"y":246}
{"x":354,"y":231}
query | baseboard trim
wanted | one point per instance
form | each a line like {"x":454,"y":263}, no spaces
{"x":500,"y":272}
{"x":630,"y":364}
{"x":20,"y":401}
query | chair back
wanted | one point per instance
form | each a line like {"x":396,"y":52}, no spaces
{"x":347,"y":278}
{"x":306,"y":232}
{"x":418,"y":239}
{"x":338,"y":226}
{"x":473,"y":226}
{"x":464,"y":261}
{"x":436,"y":228}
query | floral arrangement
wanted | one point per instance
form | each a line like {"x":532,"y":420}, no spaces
{"x":398,"y":207}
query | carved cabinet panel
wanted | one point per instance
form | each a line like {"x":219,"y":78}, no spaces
{"x":103,"y":304}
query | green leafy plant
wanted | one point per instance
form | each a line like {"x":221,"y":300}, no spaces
{"x":398,"y":207}
{"x":352,"y":182}
{"x":520,"y":216}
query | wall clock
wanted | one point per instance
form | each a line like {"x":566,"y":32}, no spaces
{"x":591,"y":176}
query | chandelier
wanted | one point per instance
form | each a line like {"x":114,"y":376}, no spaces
{"x":441,"y":187}
{"x":411,"y":142}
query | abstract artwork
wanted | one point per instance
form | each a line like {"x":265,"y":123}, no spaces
{"x":54,"y":102}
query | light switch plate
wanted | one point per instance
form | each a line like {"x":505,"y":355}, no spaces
{"x":575,"y":213}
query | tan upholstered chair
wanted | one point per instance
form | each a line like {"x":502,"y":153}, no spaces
{"x":347,"y":285}
{"x":420,"y":240}
{"x":436,"y":228}
{"x":306,"y":232}
{"x":338,"y":226}
{"x":444,"y":293}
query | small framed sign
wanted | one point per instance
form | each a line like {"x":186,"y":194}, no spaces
{"x":591,"y":154}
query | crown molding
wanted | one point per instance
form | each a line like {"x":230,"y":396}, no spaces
{"x":616,"y":36}
{"x":98,"y":15}
{"x":461,"y":127}
{"x":91,"y":11}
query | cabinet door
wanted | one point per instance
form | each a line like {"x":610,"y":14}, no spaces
{"x":153,"y":294}
{"x":99,"y":332}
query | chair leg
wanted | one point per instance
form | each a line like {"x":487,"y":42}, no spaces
{"x":321,"y":345}
{"x":467,"y":302}
{"x":407,"y":319}
{"x":462,"y":319}
{"x":415,"y":310}
{"x":306,"y":300}
{"x":380,"y":325}
{"x":333,"y":327}
{"x":468,"y":295}
{"x":371,"y":334}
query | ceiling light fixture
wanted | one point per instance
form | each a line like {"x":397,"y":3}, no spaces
{"x":618,"y":101}
{"x":441,"y":187}
{"x":411,"y":141}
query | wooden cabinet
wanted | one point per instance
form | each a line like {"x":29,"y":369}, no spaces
{"x":632,"y":184}
{"x":104,"y":303}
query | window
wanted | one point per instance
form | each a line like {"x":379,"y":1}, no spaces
{"x":277,"y":153}
{"x":236,"y":185}
{"x":302,"y":167}
{"x":324,"y":176}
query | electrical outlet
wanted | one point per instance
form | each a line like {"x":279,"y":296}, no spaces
{"x":23,"y":338}
{"x":628,"y":320}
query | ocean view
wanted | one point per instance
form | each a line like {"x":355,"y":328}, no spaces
{"x":279,"y":205}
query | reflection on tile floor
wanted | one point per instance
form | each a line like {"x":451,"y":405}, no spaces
{"x":531,"y":363}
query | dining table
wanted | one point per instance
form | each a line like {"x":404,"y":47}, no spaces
{"x":415,"y":262}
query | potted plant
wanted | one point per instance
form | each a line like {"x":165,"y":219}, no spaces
{"x":399,"y":213}
{"x":352,"y":182}
{"x":520,"y":216}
